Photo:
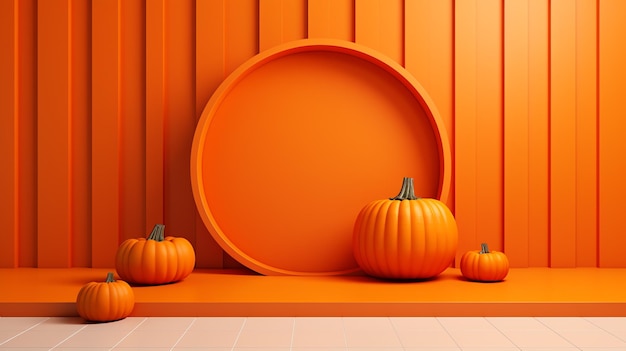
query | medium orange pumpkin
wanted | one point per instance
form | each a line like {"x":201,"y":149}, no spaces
{"x":156,"y":259}
{"x":106,"y":301}
{"x":484,"y":265}
{"x":405,"y":237}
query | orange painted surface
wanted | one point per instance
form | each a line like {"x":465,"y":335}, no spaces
{"x":538,"y":134}
{"x":80,"y":90}
{"x":478,"y":124}
{"x":531,"y":292}
{"x":8,"y":135}
{"x":526,"y":133}
{"x":155,"y":113}
{"x":100,"y":101}
{"x":179,"y":209}
{"x":263,"y":143}
{"x":54,"y":140}
{"x":379,"y":24}
{"x":430,"y":57}
{"x":25,"y":94}
{"x":209,"y":66}
{"x":562,"y":134}
{"x":331,"y":19}
{"x":132,"y":131}
{"x":586,"y":135}
{"x":611,"y":146}
{"x":516,"y":131}
{"x":281,"y":21}
{"x":105,"y":140}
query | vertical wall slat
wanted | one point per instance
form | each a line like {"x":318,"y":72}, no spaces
{"x":27,"y":132}
{"x":586,"y":132}
{"x":380,"y":25}
{"x":281,"y":21}
{"x":180,"y":118}
{"x":538,"y":133}
{"x":478,"y":122}
{"x":526,"y":84}
{"x":210,"y":67}
{"x":241,"y":42}
{"x":241,"y":32}
{"x":155,"y":112}
{"x":54,"y":142}
{"x":563,"y":133}
{"x":489,"y":110}
{"x":429,"y":56}
{"x":294,"y":20}
{"x":516,"y":132}
{"x":106,"y":124}
{"x":465,"y":124}
{"x":9,"y":124}
{"x":612,"y":169}
{"x":132,"y":123}
{"x":81,"y":133}
{"x":331,"y":19}
{"x":270,"y":23}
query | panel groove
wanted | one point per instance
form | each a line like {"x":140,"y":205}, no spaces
{"x":9,"y":131}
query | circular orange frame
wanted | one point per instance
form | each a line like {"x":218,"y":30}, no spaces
{"x":298,"y":139}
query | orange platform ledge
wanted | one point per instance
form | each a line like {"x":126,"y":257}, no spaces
{"x":525,"y":292}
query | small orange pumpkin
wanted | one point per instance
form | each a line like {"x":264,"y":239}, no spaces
{"x":106,"y":301}
{"x":484,"y":265}
{"x":405,"y":237}
{"x":156,"y":259}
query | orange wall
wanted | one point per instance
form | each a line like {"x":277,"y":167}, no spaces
{"x":99,"y":101}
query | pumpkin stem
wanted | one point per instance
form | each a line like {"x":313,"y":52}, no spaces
{"x":484,"y":249}
{"x":407,"y":192}
{"x":157,"y":233}
{"x":110,"y":278}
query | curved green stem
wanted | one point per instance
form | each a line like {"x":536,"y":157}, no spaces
{"x":110,"y":278}
{"x":158,"y":233}
{"x":407,"y":192}
{"x":484,"y":249}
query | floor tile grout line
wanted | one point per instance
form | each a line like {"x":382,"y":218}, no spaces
{"x":69,"y":337}
{"x":607,"y":331}
{"x":395,"y":331}
{"x":438,"y":319}
{"x":183,"y":334}
{"x":293,"y":332}
{"x":503,"y":334}
{"x":127,"y":334}
{"x":239,"y":334}
{"x":23,"y":331}
{"x":343,"y":329}
{"x":557,"y":333}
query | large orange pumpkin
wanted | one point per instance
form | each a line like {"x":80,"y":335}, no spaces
{"x":405,"y":237}
{"x":106,"y":301}
{"x":484,"y":265}
{"x":156,"y":259}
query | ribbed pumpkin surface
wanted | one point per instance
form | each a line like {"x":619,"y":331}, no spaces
{"x":155,"y":260}
{"x":484,"y":265}
{"x":105,"y":301}
{"x":405,"y":239}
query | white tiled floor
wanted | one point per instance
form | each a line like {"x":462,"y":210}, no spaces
{"x":316,"y":334}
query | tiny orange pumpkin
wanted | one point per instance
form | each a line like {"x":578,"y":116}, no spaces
{"x":484,"y":265}
{"x":106,"y":301}
{"x":157,"y":259}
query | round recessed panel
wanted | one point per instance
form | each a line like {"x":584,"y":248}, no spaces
{"x":297,"y":140}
